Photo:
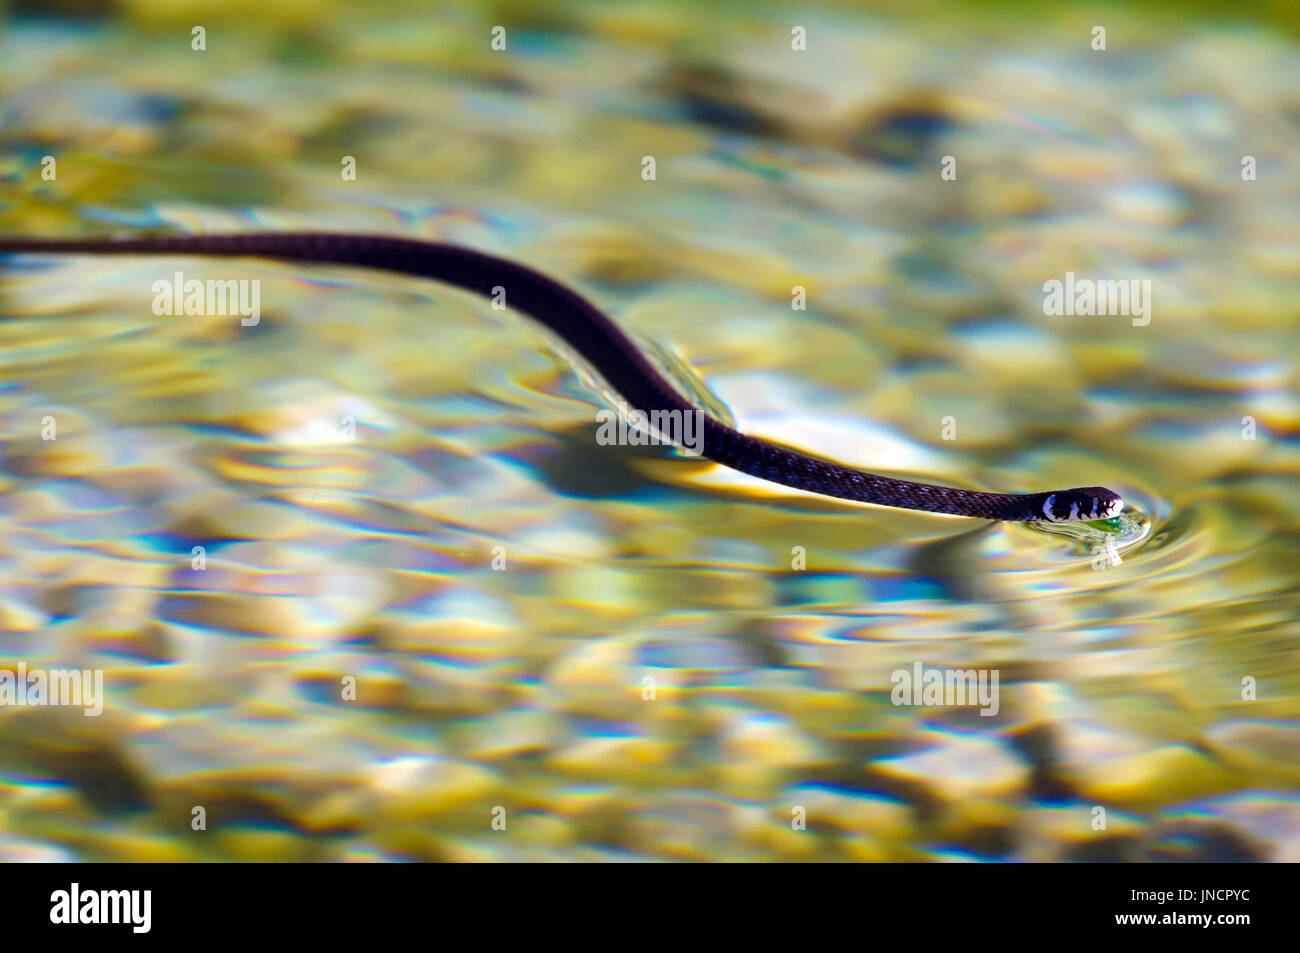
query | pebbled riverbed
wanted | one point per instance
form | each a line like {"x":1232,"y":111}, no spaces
{"x":427,"y":596}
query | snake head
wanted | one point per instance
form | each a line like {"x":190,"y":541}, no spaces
{"x":1082,"y":503}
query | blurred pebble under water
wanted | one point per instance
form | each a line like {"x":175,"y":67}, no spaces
{"x":503,"y":588}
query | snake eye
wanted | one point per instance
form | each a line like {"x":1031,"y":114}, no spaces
{"x":1105,"y":503}
{"x":1090,"y":503}
{"x":1082,"y":504}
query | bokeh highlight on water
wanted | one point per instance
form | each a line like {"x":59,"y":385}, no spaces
{"x":1121,"y":667}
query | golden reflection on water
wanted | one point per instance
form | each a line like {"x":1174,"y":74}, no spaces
{"x":637,"y":655}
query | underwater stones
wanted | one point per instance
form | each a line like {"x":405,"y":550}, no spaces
{"x":854,"y":811}
{"x":181,"y":686}
{"x":263,"y":521}
{"x":302,"y":413}
{"x":769,"y":831}
{"x":595,"y":588}
{"x":918,"y":295}
{"x":261,"y":845}
{"x":17,"y":616}
{"x":416,"y":787}
{"x":600,"y":678}
{"x":508,"y":734}
{"x":449,"y":689}
{"x":231,"y":610}
{"x":1157,"y":776}
{"x":1195,"y":836}
{"x":1049,"y":833}
{"x":1269,"y":822}
{"x":17,"y":850}
{"x":74,"y":445}
{"x":350,"y":679}
{"x":271,"y":588}
{"x":122,"y":633}
{"x":465,"y":626}
{"x":618,"y":754}
{"x":758,"y":751}
{"x":683,"y":825}
{"x":55,"y":814}
{"x":1151,"y":203}
{"x":356,"y":850}
{"x":457,"y":654}
{"x":1080,"y":743}
{"x":139,"y":846}
{"x":1266,"y":750}
{"x":90,"y":754}
{"x":241,"y":767}
{"x":955,"y":766}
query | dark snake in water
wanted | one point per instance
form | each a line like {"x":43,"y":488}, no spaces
{"x":624,"y":367}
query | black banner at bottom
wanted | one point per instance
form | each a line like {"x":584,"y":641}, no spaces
{"x":326,"y":903}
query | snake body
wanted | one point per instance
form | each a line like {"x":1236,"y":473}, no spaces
{"x":593,"y":335}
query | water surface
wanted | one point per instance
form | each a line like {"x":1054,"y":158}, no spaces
{"x":395,"y":483}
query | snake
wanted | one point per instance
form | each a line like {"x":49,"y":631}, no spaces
{"x":600,"y":341}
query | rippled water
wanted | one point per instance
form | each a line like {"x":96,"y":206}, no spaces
{"x":631,"y":653}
